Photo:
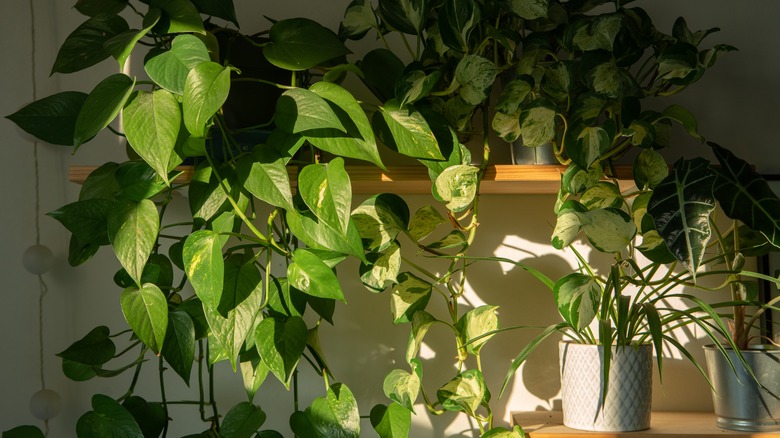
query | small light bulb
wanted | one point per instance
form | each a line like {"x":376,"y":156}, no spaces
{"x":45,"y":404}
{"x":38,"y":259}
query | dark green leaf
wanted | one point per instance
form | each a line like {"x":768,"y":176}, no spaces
{"x":231,"y":333}
{"x":79,"y":252}
{"x":681,"y":207}
{"x":300,"y":44}
{"x":650,"y":169}
{"x":179,"y":346}
{"x":457,"y":20}
{"x":223,"y":9}
{"x":102,"y":106}
{"x":136,"y":181}
{"x":529,"y":9}
{"x":359,"y":18}
{"x":23,"y":432}
{"x":179,"y":16}
{"x":241,"y":279}
{"x":299,"y":110}
{"x":327,"y":191}
{"x":122,"y":45}
{"x":242,"y":421}
{"x":149,"y":416}
{"x":90,"y":8}
{"x":253,"y":372}
{"x":53,"y":118}
{"x":84,"y":47}
{"x":87,"y":219}
{"x":381,"y":71}
{"x":281,"y":344}
{"x":407,"y":16}
{"x":599,"y":33}
{"x":107,"y":418}
{"x":379,"y":220}
{"x":745,"y":195}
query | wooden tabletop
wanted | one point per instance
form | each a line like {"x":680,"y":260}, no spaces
{"x":549,"y":424}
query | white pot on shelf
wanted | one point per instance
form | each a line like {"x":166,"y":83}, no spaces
{"x":629,"y":394}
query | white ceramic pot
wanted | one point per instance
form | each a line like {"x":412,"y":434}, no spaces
{"x":629,"y":394}
{"x":740,"y":404}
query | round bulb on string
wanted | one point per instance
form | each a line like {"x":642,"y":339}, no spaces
{"x":38,"y":259}
{"x":45,"y":404}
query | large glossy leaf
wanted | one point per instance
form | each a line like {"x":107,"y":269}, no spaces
{"x":102,"y":106}
{"x":87,"y":219}
{"x":316,"y":234}
{"x":359,"y":18}
{"x":407,"y":16}
{"x":402,"y":386}
{"x":537,"y":124}
{"x":146,"y":310}
{"x":242,"y":278}
{"x":391,"y":421}
{"x":381,"y":70}
{"x":53,"y":118}
{"x":529,"y":9}
{"x":205,"y":90}
{"x":457,"y":186}
{"x":152,"y":123}
{"x":107,"y":418}
{"x":95,"y":348}
{"x":179,"y":345}
{"x":355,"y":138}
{"x":300,"y":44}
{"x":231,"y":333}
{"x":84,"y":47}
{"x":577,"y":297}
{"x":327,"y":191}
{"x":379,"y":220}
{"x":265,"y":176}
{"x":170,"y":69}
{"x":456,"y":21}
{"x":122,"y":45}
{"x":299,"y":110}
{"x":406,"y":131}
{"x":681,"y":207}
{"x":135,"y":181}
{"x":608,"y":229}
{"x":309,"y":274}
{"x":149,"y":416}
{"x":242,"y":421}
{"x":91,"y":8}
{"x":132,"y":230}
{"x":650,"y":169}
{"x":253,"y":373}
{"x":179,"y":16}
{"x":476,"y":323}
{"x":410,"y":295}
{"x":204,"y":266}
{"x":604,"y":194}
{"x":476,"y":75}
{"x":466,"y":392}
{"x":223,"y":9}
{"x":588,"y":146}
{"x":746,"y":196}
{"x":281,"y":344}
{"x":382,"y":269}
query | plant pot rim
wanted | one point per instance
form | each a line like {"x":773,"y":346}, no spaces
{"x":756,"y":348}
{"x":633,"y":344}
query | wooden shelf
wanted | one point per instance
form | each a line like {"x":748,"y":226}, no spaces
{"x":549,"y":424}
{"x":499,"y":179}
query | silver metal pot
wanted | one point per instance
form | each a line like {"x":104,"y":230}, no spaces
{"x":740,"y":403}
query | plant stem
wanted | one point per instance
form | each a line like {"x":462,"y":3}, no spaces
{"x":201,"y":395}
{"x":212,"y":401}
{"x":162,"y":396}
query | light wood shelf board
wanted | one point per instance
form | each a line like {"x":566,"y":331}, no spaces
{"x":499,"y":179}
{"x":549,"y":424}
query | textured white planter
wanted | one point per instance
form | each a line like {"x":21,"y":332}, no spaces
{"x":627,"y":405}
{"x":740,"y":403}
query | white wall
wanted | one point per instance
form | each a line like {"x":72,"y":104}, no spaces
{"x":735,"y":104}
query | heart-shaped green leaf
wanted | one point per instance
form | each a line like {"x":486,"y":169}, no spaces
{"x":179,"y":346}
{"x":242,"y":421}
{"x":407,"y":16}
{"x":391,"y":421}
{"x":53,"y":118}
{"x":102,"y":106}
{"x":476,"y":76}
{"x":152,"y":123}
{"x":107,"y":418}
{"x":309,"y":274}
{"x":402,"y":386}
{"x":382,"y":269}
{"x":170,"y":69}
{"x":203,"y":263}
{"x":410,"y":295}
{"x":300,"y":44}
{"x":95,"y":348}
{"x":406,"y":131}
{"x":577,"y":297}
{"x":85,"y":46}
{"x":379,"y":220}
{"x":132,"y":230}
{"x":281,"y":344}
{"x":122,"y":45}
{"x":146,"y":310}
{"x":466,"y":392}
{"x":205,"y":90}
{"x":476,"y":323}
{"x":265,"y":175}
{"x":327,"y":191}
{"x":231,"y":333}
{"x":457,"y":186}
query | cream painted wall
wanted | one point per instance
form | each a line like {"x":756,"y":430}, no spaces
{"x":735,"y":104}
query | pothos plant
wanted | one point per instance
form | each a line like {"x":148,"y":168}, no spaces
{"x":591,"y":80}
{"x":204,"y":290}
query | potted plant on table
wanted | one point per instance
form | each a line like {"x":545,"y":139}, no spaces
{"x":205,"y":290}
{"x":590,"y":77}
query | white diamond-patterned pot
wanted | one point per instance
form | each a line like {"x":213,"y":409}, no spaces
{"x":629,"y":394}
